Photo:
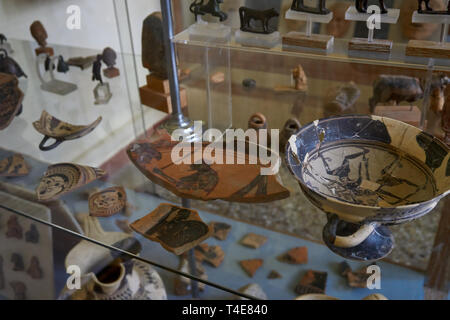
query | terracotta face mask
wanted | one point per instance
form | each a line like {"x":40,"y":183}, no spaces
{"x":417,"y":31}
{"x":338,"y":26}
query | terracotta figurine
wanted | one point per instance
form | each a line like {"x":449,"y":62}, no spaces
{"x":109,"y":57}
{"x":40,"y":35}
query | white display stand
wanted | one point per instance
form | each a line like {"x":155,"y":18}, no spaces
{"x":209,"y":31}
{"x":371,"y":44}
{"x":295,"y":39}
{"x":257,"y":39}
{"x":52,"y":84}
{"x":430,"y":49}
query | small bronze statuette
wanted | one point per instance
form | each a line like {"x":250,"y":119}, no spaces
{"x":299,"y":5}
{"x":429,"y":10}
{"x":102,"y":93}
{"x":264,"y":16}
{"x":361,"y":6}
{"x":32,"y":235}
{"x":17,"y":261}
{"x":212,"y":7}
{"x":109,"y":57}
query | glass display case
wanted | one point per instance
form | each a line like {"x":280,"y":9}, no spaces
{"x":89,"y":159}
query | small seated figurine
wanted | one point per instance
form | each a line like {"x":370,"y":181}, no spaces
{"x":247,"y":15}
{"x":361,"y":6}
{"x":212,"y":7}
{"x":299,"y":5}
{"x":429,"y":9}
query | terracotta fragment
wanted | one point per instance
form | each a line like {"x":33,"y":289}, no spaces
{"x":217,"y":77}
{"x":14,"y":166}
{"x":274,"y":275}
{"x":220,"y":230}
{"x":61,"y":131}
{"x":312,"y":282}
{"x":253,"y":240}
{"x":253,"y":290}
{"x":11,"y":98}
{"x":213,"y":255}
{"x":35,"y":270}
{"x":63,"y":178}
{"x":107,"y":202}
{"x":297,"y":255}
{"x":32,"y":235}
{"x":14,"y":228}
{"x":236,"y":183}
{"x":177,"y":229}
{"x":250,"y":266}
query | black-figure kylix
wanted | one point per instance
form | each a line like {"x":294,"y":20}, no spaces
{"x":367,"y":173}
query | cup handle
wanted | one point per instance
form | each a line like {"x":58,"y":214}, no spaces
{"x":50,"y":147}
{"x":348,"y":241}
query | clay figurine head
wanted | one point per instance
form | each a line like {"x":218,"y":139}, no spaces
{"x":109,"y":57}
{"x":39,"y":33}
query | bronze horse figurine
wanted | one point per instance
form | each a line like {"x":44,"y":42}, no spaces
{"x":299,"y":5}
{"x":361,"y":6}
{"x":212,"y":7}
{"x":247,"y":14}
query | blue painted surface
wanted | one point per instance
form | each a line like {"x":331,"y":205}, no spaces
{"x":396,"y":282}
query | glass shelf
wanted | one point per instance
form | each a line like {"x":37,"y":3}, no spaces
{"x":340,"y":53}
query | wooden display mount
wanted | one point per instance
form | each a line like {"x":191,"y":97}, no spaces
{"x":430,"y":49}
{"x":294,"y":39}
{"x":408,"y":114}
{"x":156,"y":94}
{"x":370,"y":44}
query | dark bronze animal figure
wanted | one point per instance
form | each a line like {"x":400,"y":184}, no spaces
{"x":361,"y":6}
{"x":299,"y":5}
{"x":247,"y":15}
{"x":212,"y":7}
{"x":395,"y":89}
